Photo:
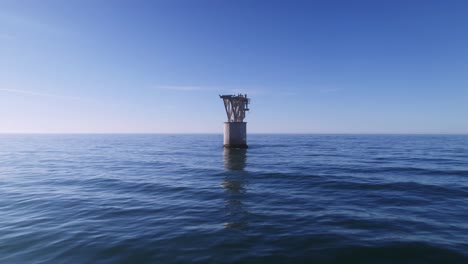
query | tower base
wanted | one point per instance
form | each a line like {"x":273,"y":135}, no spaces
{"x":235,"y":135}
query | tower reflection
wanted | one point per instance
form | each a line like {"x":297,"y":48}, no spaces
{"x":234,"y":184}
{"x":234,"y":159}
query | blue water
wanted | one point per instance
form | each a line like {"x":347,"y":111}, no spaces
{"x":182,"y":198}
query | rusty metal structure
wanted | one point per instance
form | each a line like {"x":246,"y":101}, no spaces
{"x":235,"y":129}
{"x":236,"y":106}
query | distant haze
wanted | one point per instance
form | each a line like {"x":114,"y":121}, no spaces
{"x":159,"y":66}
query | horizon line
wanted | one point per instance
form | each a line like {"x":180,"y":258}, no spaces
{"x":220,"y":133}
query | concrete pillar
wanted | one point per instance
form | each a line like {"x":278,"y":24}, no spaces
{"x":235,"y":134}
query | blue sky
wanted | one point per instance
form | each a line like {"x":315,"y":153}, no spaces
{"x":158,"y":66}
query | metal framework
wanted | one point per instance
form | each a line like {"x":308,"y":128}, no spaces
{"x":235,"y":105}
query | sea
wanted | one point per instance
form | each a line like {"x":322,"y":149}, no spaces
{"x":182,"y":198}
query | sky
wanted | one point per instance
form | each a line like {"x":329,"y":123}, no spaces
{"x":87,"y":66}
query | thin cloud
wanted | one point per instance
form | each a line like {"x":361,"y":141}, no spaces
{"x":6,"y":36}
{"x":27,"y":92}
{"x":248,"y":91}
{"x":185,"y":88}
{"x":286,"y":93}
{"x":329,"y":90}
{"x":29,"y":23}
{"x":226,"y":90}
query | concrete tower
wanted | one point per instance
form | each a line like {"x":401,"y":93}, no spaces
{"x":235,"y":129}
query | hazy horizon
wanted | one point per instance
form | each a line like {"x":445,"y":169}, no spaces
{"x":221,"y":133}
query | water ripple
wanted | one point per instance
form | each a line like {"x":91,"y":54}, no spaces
{"x":182,"y":198}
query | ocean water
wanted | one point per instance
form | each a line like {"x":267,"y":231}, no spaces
{"x":183,"y":198}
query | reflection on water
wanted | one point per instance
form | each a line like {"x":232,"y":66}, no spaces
{"x":234,"y":159}
{"x":234,"y":184}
